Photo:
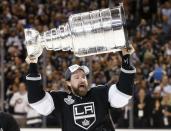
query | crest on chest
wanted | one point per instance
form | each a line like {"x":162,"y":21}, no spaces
{"x":84,"y":114}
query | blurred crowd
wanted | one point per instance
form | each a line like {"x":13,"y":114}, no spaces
{"x":149,"y":28}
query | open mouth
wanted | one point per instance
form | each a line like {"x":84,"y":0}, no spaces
{"x":82,"y":86}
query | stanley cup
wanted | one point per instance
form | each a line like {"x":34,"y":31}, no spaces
{"x":89,"y":33}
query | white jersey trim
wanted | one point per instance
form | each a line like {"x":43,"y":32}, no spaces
{"x":33,"y":78}
{"x":128,"y":71}
{"x":45,"y":106}
{"x":116,"y":98}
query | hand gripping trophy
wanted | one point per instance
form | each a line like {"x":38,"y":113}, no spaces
{"x":89,"y":33}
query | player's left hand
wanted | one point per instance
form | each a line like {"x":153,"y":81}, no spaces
{"x":129,"y":50}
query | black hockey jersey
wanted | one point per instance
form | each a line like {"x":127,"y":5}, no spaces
{"x":88,"y":113}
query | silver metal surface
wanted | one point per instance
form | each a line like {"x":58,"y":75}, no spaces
{"x":89,"y":33}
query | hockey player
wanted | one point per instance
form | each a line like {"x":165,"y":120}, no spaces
{"x":83,"y":108}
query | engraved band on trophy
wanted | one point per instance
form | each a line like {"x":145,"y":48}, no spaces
{"x":88,"y":33}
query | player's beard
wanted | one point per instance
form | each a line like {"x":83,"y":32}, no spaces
{"x":80,"y":90}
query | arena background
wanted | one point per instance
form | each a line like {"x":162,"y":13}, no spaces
{"x":149,"y":27}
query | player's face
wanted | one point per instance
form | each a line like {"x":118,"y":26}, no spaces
{"x":79,"y":84}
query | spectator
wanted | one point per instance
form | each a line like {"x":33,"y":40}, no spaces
{"x":34,"y":119}
{"x":166,"y":110}
{"x":164,"y":86}
{"x":157,"y":115}
{"x":19,"y":102}
{"x":142,"y":110}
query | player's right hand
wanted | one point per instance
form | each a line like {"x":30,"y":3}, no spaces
{"x":31,"y":59}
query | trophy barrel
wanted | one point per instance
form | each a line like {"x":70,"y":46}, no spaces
{"x":57,"y":38}
{"x":99,"y":31}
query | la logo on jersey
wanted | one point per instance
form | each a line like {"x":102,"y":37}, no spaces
{"x":84,"y":114}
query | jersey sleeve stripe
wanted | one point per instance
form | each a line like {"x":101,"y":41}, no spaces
{"x":128,"y":71}
{"x":45,"y":106}
{"x":116,"y":98}
{"x":33,"y":78}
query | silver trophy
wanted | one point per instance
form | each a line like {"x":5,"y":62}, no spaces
{"x":89,"y":33}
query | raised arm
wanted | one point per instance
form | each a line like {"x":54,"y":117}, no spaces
{"x":120,"y":93}
{"x":38,"y":99}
